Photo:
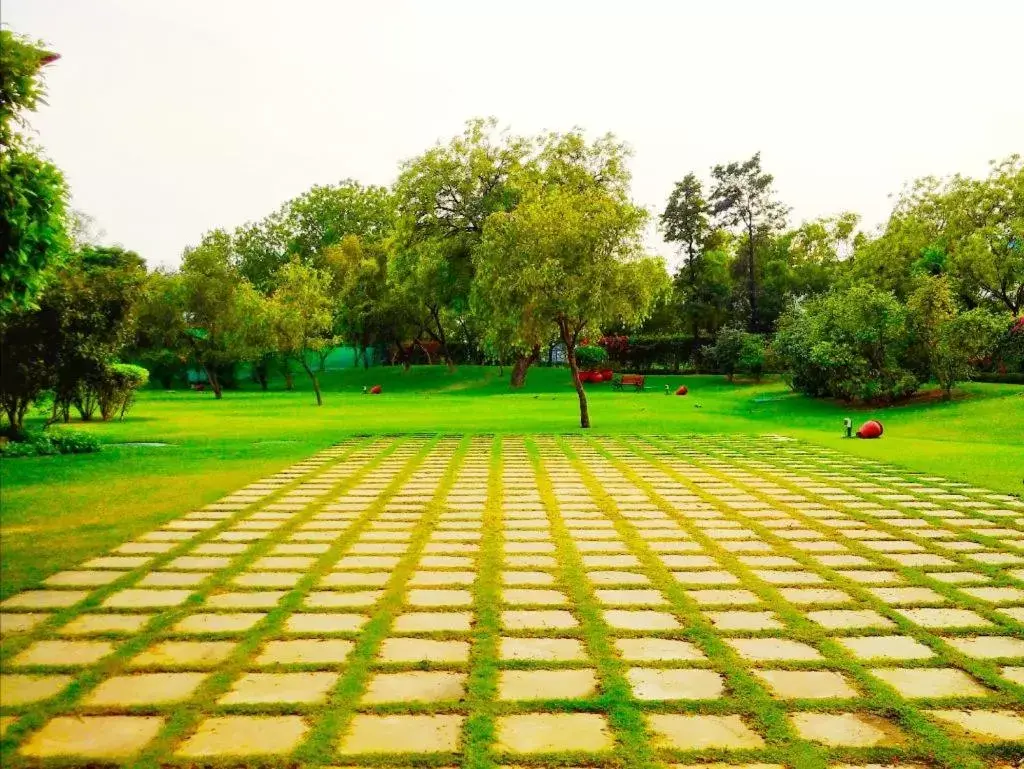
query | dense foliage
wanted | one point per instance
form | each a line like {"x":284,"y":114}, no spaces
{"x":501,"y":248}
{"x":33,"y":194}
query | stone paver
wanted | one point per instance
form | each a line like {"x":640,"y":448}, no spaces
{"x":382,"y":570}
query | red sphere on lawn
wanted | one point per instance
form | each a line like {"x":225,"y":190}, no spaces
{"x":376,"y":390}
{"x":682,"y":390}
{"x":871,"y":429}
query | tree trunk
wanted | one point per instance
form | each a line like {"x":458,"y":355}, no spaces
{"x":752,"y":281}
{"x":570,"y":354}
{"x":316,"y":383}
{"x":211,"y":375}
{"x":440,"y":338}
{"x":322,"y":356}
{"x":522,"y":364}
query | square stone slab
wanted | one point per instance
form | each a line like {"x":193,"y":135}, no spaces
{"x":145,"y":689}
{"x":312,"y":651}
{"x":639,"y":619}
{"x":810,"y":684}
{"x":657,"y":650}
{"x":744,"y":620}
{"x":429,"y":621}
{"x":691,"y":732}
{"x":723,"y":597}
{"x":17,"y":689}
{"x":91,"y":624}
{"x":893,"y":647}
{"x":21,"y":622}
{"x":989,"y":646}
{"x":184,"y":654}
{"x":402,"y":734}
{"x":773,"y":649}
{"x":331,"y":599}
{"x":931,"y":682}
{"x":63,"y":653}
{"x":267,"y":688}
{"x":423,"y":650}
{"x":245,"y":736}
{"x":553,"y":619}
{"x":100,"y":737}
{"x":543,"y":649}
{"x":415,"y":686}
{"x":317,"y":624}
{"x":81,"y":578}
{"x":218,"y":623}
{"x":173,"y":578}
{"x":146,"y":599}
{"x":668,"y":684}
{"x":846,"y":729}
{"x":45,"y":599}
{"x":945,"y":618}
{"x":844,"y":619}
{"x":546,"y":684}
{"x":254,"y":600}
{"x":630,"y":597}
{"x":429,"y":597}
{"x":553,"y":732}
{"x":986,"y":725}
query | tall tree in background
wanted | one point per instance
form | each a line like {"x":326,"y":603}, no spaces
{"x":33,"y":194}
{"x":685,"y":222}
{"x":742,"y":197}
{"x":225,"y":316}
{"x":444,"y":198}
{"x":301,"y":317}
{"x":570,"y":253}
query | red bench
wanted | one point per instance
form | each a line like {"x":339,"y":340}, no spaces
{"x":636,"y":381}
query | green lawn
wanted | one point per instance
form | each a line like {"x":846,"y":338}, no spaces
{"x":58,"y":510}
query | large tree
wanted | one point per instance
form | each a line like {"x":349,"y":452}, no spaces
{"x":33,"y":193}
{"x":301,"y":318}
{"x":569,"y":254}
{"x":444,"y":197}
{"x":225,"y":317}
{"x":742,"y":197}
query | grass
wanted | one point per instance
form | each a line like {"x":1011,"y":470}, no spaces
{"x":576,"y":489}
{"x":57,"y":510}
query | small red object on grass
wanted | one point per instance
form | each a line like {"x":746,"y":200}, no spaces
{"x":682,"y":390}
{"x":871,"y":429}
{"x":375,"y":390}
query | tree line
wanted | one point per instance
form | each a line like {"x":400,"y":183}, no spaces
{"x":492,"y":246}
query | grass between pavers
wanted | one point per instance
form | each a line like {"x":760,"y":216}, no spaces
{"x":88,"y":679}
{"x":882,"y":700}
{"x":81,"y":504}
{"x":551,"y":459}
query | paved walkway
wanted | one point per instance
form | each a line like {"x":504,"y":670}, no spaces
{"x":634,"y":601}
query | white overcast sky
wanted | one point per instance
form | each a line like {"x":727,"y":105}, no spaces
{"x":172,"y":118}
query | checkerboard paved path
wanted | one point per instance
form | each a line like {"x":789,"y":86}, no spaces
{"x":480,"y":601}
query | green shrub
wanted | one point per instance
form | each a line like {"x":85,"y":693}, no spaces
{"x":854,"y":344}
{"x":590,"y":355}
{"x":115,"y":391}
{"x":737,"y":351}
{"x":32,"y":443}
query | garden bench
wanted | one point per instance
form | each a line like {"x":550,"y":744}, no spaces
{"x":636,"y":381}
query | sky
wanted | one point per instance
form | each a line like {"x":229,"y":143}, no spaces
{"x":173,"y":118}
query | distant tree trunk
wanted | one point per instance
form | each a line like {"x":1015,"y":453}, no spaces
{"x":439,"y":336}
{"x":211,"y":376}
{"x":522,"y":364}
{"x":404,"y":354}
{"x":316,"y":382}
{"x":752,"y":281}
{"x":570,"y":353}
{"x":322,"y":356}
